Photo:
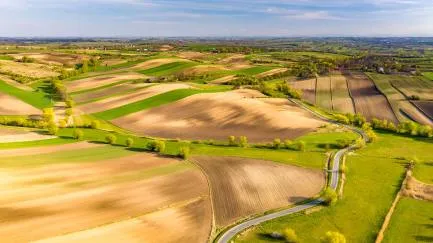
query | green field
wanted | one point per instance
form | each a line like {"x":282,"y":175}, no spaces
{"x":414,"y":86}
{"x":154,"y":101}
{"x":253,"y":70}
{"x":374,"y":175}
{"x":167,"y":69}
{"x":38,"y":99}
{"x":412,"y":221}
{"x":6,"y":57}
{"x":323,"y":93}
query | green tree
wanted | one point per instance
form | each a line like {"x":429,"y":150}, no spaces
{"x":232,"y":141}
{"x":288,"y":143}
{"x":243,"y":141}
{"x":110,"y":138}
{"x":129,"y":142}
{"x":330,"y":197}
{"x":184,"y":152}
{"x":85,"y":66}
{"x":95,"y":124}
{"x":290,"y":235}
{"x":276,"y":143}
{"x":52,"y":128}
{"x":78,"y":134}
{"x":300,"y":146}
{"x":333,"y":237}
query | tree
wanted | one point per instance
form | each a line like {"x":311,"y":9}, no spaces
{"x":110,"y":138}
{"x":290,"y":235}
{"x":277,"y":143}
{"x":288,"y":143}
{"x":330,"y":197}
{"x":52,"y":128}
{"x":232,"y":141}
{"x":62,"y":124}
{"x":300,"y":146}
{"x":78,"y":134}
{"x":70,"y":103}
{"x":85,"y":66}
{"x":184,"y":152}
{"x":243,"y":141}
{"x":333,"y":237}
{"x":95,"y":124}
{"x":129,"y":142}
{"x":156,"y":146}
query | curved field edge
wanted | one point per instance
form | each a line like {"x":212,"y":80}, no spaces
{"x":154,"y":101}
{"x":37,"y":99}
{"x":374,"y":173}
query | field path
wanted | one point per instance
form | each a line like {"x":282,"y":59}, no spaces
{"x":232,"y":232}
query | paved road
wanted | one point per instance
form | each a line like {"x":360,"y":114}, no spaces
{"x":230,"y":233}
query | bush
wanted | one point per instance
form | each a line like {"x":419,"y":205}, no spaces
{"x":300,"y":146}
{"x":342,"y":119}
{"x":232,"y":141}
{"x":290,"y":235}
{"x":62,"y":124}
{"x":52,"y":128}
{"x":288,"y":143}
{"x":70,"y":103}
{"x":330,"y":197}
{"x":69,"y":112}
{"x":372,"y":137}
{"x":78,"y":134}
{"x":129,"y":142}
{"x":95,"y":124}
{"x":184,"y":152}
{"x":343,"y":143}
{"x":156,"y":146}
{"x":110,"y":138}
{"x":333,"y":237}
{"x":276,"y":144}
{"x":243,"y":141}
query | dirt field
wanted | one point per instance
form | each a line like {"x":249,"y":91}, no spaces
{"x":223,"y":80}
{"x":201,"y":69}
{"x":157,"y":62}
{"x":94,"y":82}
{"x":323,"y":93}
{"x":235,"y":62}
{"x":27,"y":69}
{"x":252,"y":186}
{"x":271,"y":72}
{"x":134,"y":196}
{"x":235,"y":113}
{"x":192,"y":54}
{"x":22,"y":137}
{"x":46,"y":149}
{"x":426,"y":107}
{"x":308,"y":88}
{"x":418,"y":190}
{"x":117,"y":89}
{"x":117,"y":101}
{"x":368,"y":100}
{"x":111,"y":62}
{"x":10,"y":105}
{"x":341,"y":100}
{"x":52,"y":58}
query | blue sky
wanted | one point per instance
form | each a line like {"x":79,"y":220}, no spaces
{"x":140,"y":18}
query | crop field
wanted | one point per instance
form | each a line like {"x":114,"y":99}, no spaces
{"x":253,"y":186}
{"x":168,"y":68}
{"x":12,"y":135}
{"x":400,"y":105}
{"x":34,"y":70}
{"x":341,"y":100}
{"x":100,"y":81}
{"x":368,"y":100}
{"x":52,"y":58}
{"x":426,"y":107}
{"x":323,"y":93}
{"x":428,"y":75}
{"x":414,"y":86}
{"x":37,"y":99}
{"x":411,"y":222}
{"x":236,"y":113}
{"x":10,"y":105}
{"x":98,"y":190}
{"x":308,"y":88}
{"x":271,"y":72}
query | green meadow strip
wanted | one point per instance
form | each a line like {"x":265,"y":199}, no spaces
{"x":37,"y":99}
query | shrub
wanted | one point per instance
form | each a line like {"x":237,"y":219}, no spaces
{"x":110,"y":138}
{"x":300,"y":146}
{"x":343,"y":143}
{"x":342,"y":119}
{"x":69,"y":112}
{"x":78,"y":134}
{"x":52,"y":128}
{"x":243,"y":141}
{"x":48,"y":114}
{"x":184,"y":152}
{"x":277,"y":143}
{"x":333,"y":237}
{"x":372,"y":137}
{"x":330,"y":197}
{"x":156,"y":146}
{"x":288,"y":143}
{"x":290,"y":235}
{"x":95,"y":124}
{"x":62,"y":124}
{"x":70,"y":103}
{"x":129,"y":142}
{"x":232,"y":141}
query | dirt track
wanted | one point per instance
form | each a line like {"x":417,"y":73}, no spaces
{"x":230,"y":113}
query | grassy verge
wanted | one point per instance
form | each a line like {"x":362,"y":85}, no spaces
{"x":412,"y":221}
{"x":373,"y":178}
{"x":39,"y":99}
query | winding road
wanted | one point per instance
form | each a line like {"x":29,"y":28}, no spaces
{"x":335,"y":174}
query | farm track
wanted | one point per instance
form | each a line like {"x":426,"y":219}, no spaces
{"x":232,"y":232}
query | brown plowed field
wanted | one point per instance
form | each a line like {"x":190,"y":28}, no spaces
{"x":223,"y":80}
{"x":52,"y":58}
{"x":10,"y":105}
{"x":308,"y":88}
{"x":230,"y":113}
{"x":157,"y":62}
{"x":34,"y":70}
{"x":271,"y":72}
{"x":117,"y":101}
{"x":88,"y":96}
{"x":368,"y":100}
{"x":426,"y":107}
{"x":46,"y":149}
{"x":341,"y":100}
{"x":60,"y":199}
{"x":98,"y":81}
{"x":243,"y":187}
{"x":323,"y":93}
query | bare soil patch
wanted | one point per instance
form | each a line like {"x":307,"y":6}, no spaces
{"x":200,"y":69}
{"x":157,"y":62}
{"x":10,"y":105}
{"x":34,"y":70}
{"x":46,"y":149}
{"x":341,"y":100}
{"x":426,"y":107}
{"x":23,"y":137}
{"x":308,"y":88}
{"x":98,"y":81}
{"x":252,"y":186}
{"x":52,"y":58}
{"x":191,"y":54}
{"x":112,"y":62}
{"x":271,"y":72}
{"x":113,"y":90}
{"x":117,"y":101}
{"x":236,"y":113}
{"x":223,"y":80}
{"x":418,"y":190}
{"x":368,"y":100}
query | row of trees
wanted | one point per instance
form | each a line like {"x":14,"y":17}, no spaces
{"x":290,"y":236}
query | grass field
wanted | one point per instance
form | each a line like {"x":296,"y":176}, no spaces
{"x":428,"y":75}
{"x":412,"y":221}
{"x":38,"y":99}
{"x":375,"y":173}
{"x":168,"y":68}
{"x":414,"y":86}
{"x":253,"y":70}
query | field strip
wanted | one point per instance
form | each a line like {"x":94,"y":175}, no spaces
{"x":180,"y":204}
{"x":232,"y":232}
{"x":31,"y":136}
{"x":15,"y":83}
{"x":46,"y":149}
{"x":94,"y":82}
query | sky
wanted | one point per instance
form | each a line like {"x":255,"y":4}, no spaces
{"x":215,"y":18}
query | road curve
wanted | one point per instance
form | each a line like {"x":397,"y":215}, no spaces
{"x":335,"y":174}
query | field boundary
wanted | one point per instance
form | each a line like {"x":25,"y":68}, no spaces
{"x":350,"y":94}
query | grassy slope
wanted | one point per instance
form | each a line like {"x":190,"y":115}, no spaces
{"x":428,"y":75}
{"x":151,"y":102}
{"x":412,"y":221}
{"x":323,"y":96}
{"x":253,"y":70}
{"x":168,"y":68}
{"x":373,"y":178}
{"x":38,"y":99}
